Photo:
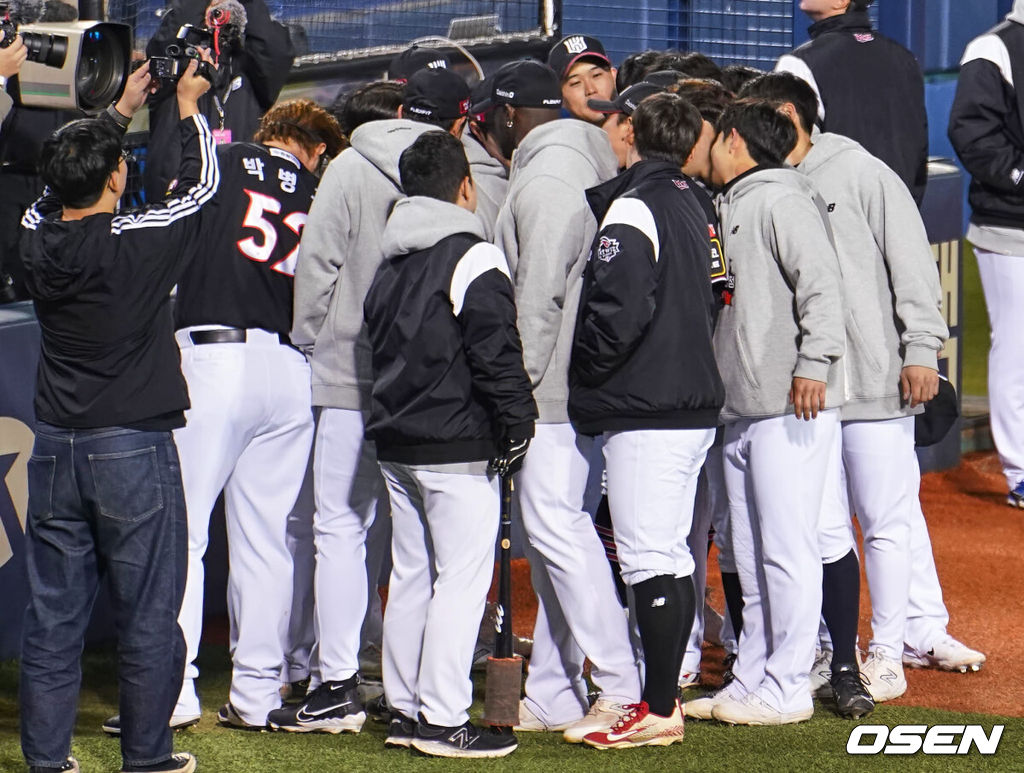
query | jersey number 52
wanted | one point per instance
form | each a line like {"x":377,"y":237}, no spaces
{"x":261,"y":251}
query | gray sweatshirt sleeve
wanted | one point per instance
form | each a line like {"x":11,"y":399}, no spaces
{"x":321,"y":256}
{"x":809,"y":261}
{"x":554,"y":226}
{"x":913,"y":276}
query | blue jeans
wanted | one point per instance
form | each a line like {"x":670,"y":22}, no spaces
{"x":103,"y":503}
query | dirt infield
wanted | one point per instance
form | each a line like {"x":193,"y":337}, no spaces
{"x":979,"y":551}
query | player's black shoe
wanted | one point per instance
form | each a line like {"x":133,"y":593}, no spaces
{"x":401,"y":730}
{"x":378,"y":708}
{"x":466,"y":740}
{"x":853,"y":700}
{"x":333,"y":707}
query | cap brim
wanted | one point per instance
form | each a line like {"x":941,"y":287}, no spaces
{"x":580,"y":57}
{"x":604,"y":106}
{"x":482,"y":106}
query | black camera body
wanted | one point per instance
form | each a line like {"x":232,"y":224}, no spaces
{"x":185,"y":47}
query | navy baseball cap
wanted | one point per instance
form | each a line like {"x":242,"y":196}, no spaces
{"x":404,"y":65}
{"x":939,"y":415}
{"x":571,"y":49}
{"x":627,"y":101}
{"x":437,"y":95}
{"x":525,"y":83}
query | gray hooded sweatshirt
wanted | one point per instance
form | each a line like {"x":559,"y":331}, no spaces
{"x":545,"y":229}
{"x":891,"y":289}
{"x":340,"y":251}
{"x":491,"y":183}
{"x":786,"y":315}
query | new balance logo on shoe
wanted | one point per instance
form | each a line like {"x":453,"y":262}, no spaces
{"x":459,"y":738}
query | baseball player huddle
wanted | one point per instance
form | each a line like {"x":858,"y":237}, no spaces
{"x":736,"y":314}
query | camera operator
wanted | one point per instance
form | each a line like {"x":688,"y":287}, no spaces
{"x":11,"y":60}
{"x":255,"y":56}
{"x":105,"y":492}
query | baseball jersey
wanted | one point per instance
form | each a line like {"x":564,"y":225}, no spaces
{"x":244,"y":274}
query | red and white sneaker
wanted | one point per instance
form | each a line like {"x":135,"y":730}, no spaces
{"x":639,"y":727}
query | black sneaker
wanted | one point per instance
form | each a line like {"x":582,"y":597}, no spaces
{"x":379,"y":709}
{"x":295,"y":692}
{"x":70,"y":765}
{"x":466,"y":740}
{"x":853,"y":700}
{"x":183,"y":762}
{"x":727,"y":675}
{"x":228,"y":717}
{"x":333,"y":707}
{"x":178,"y":722}
{"x":401,"y":731}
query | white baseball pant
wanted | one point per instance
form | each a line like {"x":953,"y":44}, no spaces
{"x":301,"y":633}
{"x":578,"y":613}
{"x":442,"y":551}
{"x":248,"y":432}
{"x":348,"y":486}
{"x":711,"y":509}
{"x":775,"y":473}
{"x":1002,"y":280}
{"x":927,"y":616}
{"x":883,"y":480}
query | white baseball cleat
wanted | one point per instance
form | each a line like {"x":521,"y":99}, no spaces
{"x":821,"y":675}
{"x":639,"y":727}
{"x":948,"y":654}
{"x":702,"y":708}
{"x":688,"y":679}
{"x":602,"y":715}
{"x":531,"y":723}
{"x":883,"y":676}
{"x":751,"y":710}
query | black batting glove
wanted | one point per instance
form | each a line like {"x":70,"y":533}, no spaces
{"x":510,"y":460}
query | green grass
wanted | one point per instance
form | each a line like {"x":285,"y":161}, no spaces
{"x":976,"y":330}
{"x":818,"y":745}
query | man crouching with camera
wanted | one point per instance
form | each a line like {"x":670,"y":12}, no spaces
{"x":105,"y":495}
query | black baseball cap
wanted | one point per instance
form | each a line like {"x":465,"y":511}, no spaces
{"x":436,"y":95}
{"x":570,"y":49}
{"x":939,"y":416}
{"x":665,"y":78}
{"x":525,"y":83}
{"x":627,"y":101}
{"x":415,"y":58}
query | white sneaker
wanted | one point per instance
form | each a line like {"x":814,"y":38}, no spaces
{"x":531,"y":723}
{"x":602,"y":715}
{"x":883,"y":676}
{"x":821,"y":675}
{"x":947,"y":655}
{"x":751,"y":710}
{"x":701,"y":708}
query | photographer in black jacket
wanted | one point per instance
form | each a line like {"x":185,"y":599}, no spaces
{"x":253,"y":62}
{"x":105,"y":493}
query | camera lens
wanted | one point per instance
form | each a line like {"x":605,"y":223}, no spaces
{"x":101,"y":70}
{"x":50,"y":50}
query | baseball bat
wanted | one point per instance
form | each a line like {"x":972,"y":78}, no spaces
{"x":504,"y":668}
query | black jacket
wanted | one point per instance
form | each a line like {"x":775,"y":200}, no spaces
{"x":448,"y":377}
{"x":247,"y":84}
{"x":986,"y":126}
{"x":101,"y":287}
{"x":872,"y":91}
{"x":642,"y":356}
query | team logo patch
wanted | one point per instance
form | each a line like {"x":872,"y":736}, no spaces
{"x":863,"y":37}
{"x":712,"y":233}
{"x":1016,"y":175}
{"x":575,"y":45}
{"x":463,"y":107}
{"x":608,"y":248}
{"x":680,"y":184}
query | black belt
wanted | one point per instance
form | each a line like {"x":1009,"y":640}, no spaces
{"x":231,"y":335}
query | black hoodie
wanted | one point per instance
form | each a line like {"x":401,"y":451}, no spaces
{"x":871,"y":90}
{"x":101,"y":287}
